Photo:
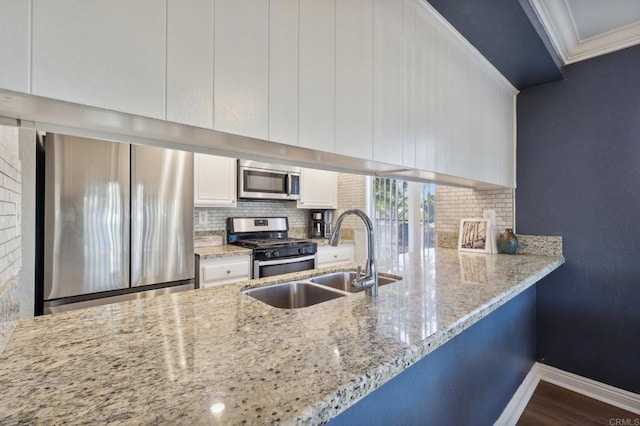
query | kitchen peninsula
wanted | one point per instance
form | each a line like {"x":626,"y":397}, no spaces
{"x":215,"y":355}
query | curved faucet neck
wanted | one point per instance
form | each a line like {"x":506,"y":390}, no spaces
{"x":370,"y":280}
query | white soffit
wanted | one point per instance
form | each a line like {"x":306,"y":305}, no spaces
{"x":583,"y":29}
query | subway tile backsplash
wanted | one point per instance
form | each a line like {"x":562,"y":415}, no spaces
{"x":215,"y":217}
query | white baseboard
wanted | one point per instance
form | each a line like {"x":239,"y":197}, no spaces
{"x":617,"y":397}
{"x":520,"y":399}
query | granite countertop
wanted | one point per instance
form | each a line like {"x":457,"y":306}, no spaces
{"x":226,"y":250}
{"x":216,"y":356}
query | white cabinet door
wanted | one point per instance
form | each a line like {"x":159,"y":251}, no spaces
{"x":283,"y":71}
{"x":506,"y":168}
{"x":109,"y":54}
{"x":241,"y":67}
{"x":424,"y":87}
{"x":327,"y":255}
{"x":317,"y":74}
{"x":408,"y":84}
{"x":190,"y":62}
{"x":388,"y":43}
{"x":354,"y":78}
{"x":214,"y":181}
{"x":224,"y":270}
{"x":319,"y":189}
{"x":15,"y":46}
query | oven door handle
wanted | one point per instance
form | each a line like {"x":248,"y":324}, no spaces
{"x":285,"y":261}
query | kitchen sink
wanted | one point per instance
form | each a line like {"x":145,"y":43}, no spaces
{"x":342,"y":280}
{"x":292,"y":295}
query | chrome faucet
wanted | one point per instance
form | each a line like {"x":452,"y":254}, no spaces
{"x":370,"y":279}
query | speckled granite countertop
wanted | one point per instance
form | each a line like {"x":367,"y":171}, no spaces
{"x":210,"y":252}
{"x":216,"y":356}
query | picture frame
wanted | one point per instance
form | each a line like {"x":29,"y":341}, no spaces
{"x":474,"y":235}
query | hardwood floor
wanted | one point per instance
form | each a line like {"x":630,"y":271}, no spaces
{"x":553,"y":405}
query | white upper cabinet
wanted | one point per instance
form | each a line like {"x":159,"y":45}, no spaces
{"x":283,"y":71}
{"x":505,"y":146}
{"x":241,"y":68}
{"x":319,"y":189}
{"x":317,"y":65}
{"x":14,"y":45}
{"x":190,"y":62}
{"x":354,"y":78}
{"x":388,"y":45}
{"x":425,"y":84}
{"x":109,"y":54}
{"x":408,"y":84}
{"x":215,"y":180}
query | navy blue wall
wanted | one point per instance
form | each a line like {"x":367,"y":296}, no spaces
{"x":579,"y":177}
{"x":468,"y":380}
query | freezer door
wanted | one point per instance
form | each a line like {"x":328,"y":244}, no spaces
{"x":86,"y":216}
{"x":161,"y":215}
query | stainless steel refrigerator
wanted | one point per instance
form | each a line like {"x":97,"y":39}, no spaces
{"x":118,"y":219}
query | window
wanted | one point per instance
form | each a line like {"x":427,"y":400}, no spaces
{"x":403,"y":214}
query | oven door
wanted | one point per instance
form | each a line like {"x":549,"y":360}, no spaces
{"x":269,"y":268}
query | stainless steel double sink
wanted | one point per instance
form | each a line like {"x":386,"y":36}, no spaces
{"x":311,"y":291}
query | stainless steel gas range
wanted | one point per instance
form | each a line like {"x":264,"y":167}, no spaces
{"x":274,"y":253}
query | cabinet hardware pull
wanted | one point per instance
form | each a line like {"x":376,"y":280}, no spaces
{"x":228,"y":271}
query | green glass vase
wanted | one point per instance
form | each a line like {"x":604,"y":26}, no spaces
{"x":508,"y":242}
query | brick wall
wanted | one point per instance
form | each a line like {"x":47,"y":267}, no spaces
{"x":453,"y":204}
{"x":216,"y":217}
{"x":351,"y":195}
{"x":10,"y":241}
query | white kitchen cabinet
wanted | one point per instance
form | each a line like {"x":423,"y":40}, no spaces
{"x":354,"y":78}
{"x":214,"y":181}
{"x":319,"y":189}
{"x":317,"y":61}
{"x":505,"y":146}
{"x":424,"y":88}
{"x":104,"y":54}
{"x":408,"y":84}
{"x":388,"y":44}
{"x":283,"y":71}
{"x":15,"y":45}
{"x":224,"y":270}
{"x":342,"y":254}
{"x":190,"y":62}
{"x":241,"y":67}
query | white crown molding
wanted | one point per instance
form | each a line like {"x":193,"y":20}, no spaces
{"x":608,"y":394}
{"x":557,"y":20}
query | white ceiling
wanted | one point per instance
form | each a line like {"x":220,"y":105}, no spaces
{"x":582,"y":29}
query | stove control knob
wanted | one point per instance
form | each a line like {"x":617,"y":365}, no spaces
{"x":302,"y":250}
{"x":275,"y":253}
{"x":267,"y":254}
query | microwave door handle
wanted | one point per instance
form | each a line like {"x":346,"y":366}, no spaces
{"x":288,"y":183}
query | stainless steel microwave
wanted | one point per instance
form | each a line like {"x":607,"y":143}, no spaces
{"x":265,"y":181}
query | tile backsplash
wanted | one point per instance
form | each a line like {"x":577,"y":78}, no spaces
{"x":216,"y":217}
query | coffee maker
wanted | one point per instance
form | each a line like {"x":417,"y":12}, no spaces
{"x":321,"y":223}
